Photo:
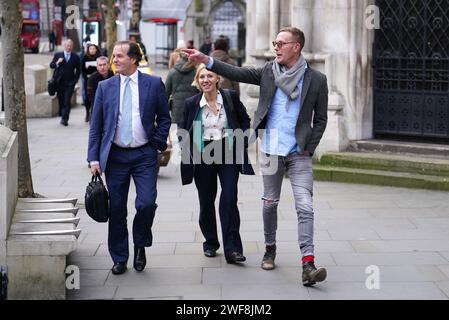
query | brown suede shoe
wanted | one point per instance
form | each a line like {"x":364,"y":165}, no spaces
{"x":268,"y":258}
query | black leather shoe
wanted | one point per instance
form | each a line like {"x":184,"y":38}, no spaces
{"x":119,"y":268}
{"x":235,"y":257}
{"x":64,"y":123}
{"x":210,"y":253}
{"x":139,"y":259}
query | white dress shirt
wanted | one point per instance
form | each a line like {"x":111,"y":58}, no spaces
{"x":214,"y":126}
{"x":139,"y":135}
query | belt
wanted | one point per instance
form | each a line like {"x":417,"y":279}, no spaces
{"x":130,"y":148}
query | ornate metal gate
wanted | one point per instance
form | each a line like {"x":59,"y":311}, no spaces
{"x":411,"y":69}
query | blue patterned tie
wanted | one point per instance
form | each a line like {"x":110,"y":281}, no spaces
{"x":126,"y":133}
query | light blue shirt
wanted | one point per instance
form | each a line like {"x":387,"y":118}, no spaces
{"x":279,"y":138}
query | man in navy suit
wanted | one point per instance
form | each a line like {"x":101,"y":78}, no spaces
{"x":130,"y":123}
{"x":67,"y":65}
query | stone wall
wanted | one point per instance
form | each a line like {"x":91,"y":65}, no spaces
{"x":38,"y":102}
{"x":8,"y":177}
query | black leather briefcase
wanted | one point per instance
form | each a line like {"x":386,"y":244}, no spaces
{"x":53,"y":83}
{"x":96,"y":200}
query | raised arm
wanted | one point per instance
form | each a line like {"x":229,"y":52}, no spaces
{"x":234,"y":73}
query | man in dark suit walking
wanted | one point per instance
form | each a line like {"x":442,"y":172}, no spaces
{"x":293,"y":112}
{"x":130,"y":123}
{"x":67,"y":65}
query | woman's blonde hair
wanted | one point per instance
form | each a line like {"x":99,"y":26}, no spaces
{"x":196,"y":81}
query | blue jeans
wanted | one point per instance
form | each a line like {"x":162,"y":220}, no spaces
{"x":299,"y":170}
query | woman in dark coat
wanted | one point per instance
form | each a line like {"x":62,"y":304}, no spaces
{"x":179,"y":87}
{"x":212,"y":147}
{"x":88,"y":67}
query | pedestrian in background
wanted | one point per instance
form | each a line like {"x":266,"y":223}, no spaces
{"x":179,"y":86}
{"x":67,"y":65}
{"x":211,"y":117}
{"x":51,"y":40}
{"x":88,"y":67}
{"x":175,"y":55}
{"x":220,"y":52}
{"x":206,"y":47}
{"x":103,"y":72}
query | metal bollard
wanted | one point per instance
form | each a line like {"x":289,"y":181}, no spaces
{"x":3,"y":283}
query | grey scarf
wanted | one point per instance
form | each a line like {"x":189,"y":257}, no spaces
{"x":288,"y":80}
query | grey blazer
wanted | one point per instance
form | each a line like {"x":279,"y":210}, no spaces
{"x":312,"y":119}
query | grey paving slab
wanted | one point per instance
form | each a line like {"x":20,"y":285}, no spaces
{"x":244,"y":275}
{"x":337,"y":204}
{"x":157,"y":276}
{"x":284,"y":235}
{"x":404,"y":234}
{"x":85,"y":250}
{"x":174,"y":236}
{"x":421,"y":203}
{"x":387,"y":259}
{"x":444,"y":286}
{"x":197,"y":260}
{"x":92,"y":293}
{"x":445,"y":254}
{"x":349,"y":233}
{"x":437,"y":224}
{"x":175,"y":226}
{"x":400,"y":273}
{"x":196,"y":248}
{"x":388,"y":213}
{"x":356,"y":223}
{"x":387,"y":291}
{"x":91,"y":263}
{"x":355,"y":226}
{"x":93,"y":278}
{"x":401,"y":245}
{"x":183,"y":292}
{"x":163,"y":248}
{"x":445,"y":269}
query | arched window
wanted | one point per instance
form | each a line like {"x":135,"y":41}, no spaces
{"x":227,"y":19}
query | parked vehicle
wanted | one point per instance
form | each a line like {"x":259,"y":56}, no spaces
{"x":30,"y":28}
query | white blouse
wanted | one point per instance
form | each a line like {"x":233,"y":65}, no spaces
{"x":214,"y":126}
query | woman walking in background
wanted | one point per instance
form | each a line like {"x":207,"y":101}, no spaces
{"x":179,"y":87}
{"x":88,"y":67}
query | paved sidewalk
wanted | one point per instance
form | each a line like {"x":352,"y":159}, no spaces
{"x":403,"y":232}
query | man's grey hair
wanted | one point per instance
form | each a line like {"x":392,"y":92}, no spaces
{"x":103,"y":58}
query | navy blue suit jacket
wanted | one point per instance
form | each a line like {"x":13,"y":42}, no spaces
{"x":154,"y":114}
{"x":68,"y":72}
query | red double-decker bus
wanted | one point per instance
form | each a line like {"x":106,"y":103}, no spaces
{"x":31,"y":25}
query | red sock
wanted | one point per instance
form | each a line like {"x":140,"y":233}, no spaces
{"x":308,"y":259}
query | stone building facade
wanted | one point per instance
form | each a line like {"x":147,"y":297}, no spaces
{"x":337,"y":44}
{"x":387,"y":62}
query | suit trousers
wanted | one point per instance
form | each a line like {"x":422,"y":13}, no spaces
{"x":140,"y":164}
{"x":205,"y":177}
{"x":300,"y":173}
{"x":64,"y":94}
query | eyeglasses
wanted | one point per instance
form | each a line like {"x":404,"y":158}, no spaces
{"x":280,"y":44}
